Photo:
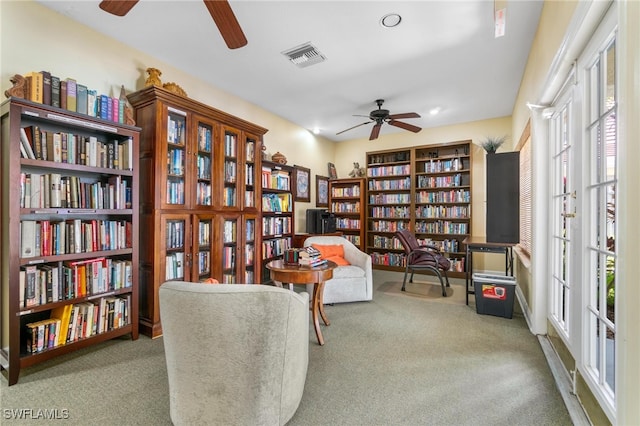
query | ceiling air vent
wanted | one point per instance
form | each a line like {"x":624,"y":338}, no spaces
{"x":304,"y":55}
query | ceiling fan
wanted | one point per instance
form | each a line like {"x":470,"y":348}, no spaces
{"x":220,"y":11}
{"x":380,"y":116}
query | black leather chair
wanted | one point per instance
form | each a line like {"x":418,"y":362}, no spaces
{"x":423,"y":258}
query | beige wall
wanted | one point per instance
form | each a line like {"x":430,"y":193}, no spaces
{"x":35,"y":38}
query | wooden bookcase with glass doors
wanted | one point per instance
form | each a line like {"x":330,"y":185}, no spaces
{"x":199,"y":203}
{"x":426,"y":189}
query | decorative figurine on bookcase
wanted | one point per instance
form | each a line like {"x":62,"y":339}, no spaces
{"x":18,"y":89}
{"x":357,"y":171}
{"x":174,"y":88}
{"x":279,"y":158}
{"x":154,"y":77}
{"x":128,"y":109}
{"x":263,"y":150}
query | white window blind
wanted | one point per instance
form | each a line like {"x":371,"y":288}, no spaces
{"x":525,"y":191}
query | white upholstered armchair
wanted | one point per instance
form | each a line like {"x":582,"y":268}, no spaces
{"x":236,"y":354}
{"x":350,"y":283}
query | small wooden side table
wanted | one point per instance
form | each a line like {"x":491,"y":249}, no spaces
{"x":317,"y":275}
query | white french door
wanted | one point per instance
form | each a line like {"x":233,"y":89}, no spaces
{"x":583,"y":161}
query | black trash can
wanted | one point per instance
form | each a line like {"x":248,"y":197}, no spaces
{"x":494,"y":294}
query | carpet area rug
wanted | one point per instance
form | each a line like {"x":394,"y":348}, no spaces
{"x":427,"y":291}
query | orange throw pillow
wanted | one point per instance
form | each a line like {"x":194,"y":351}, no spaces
{"x":340,"y":261}
{"x":334,"y":253}
{"x":327,"y":251}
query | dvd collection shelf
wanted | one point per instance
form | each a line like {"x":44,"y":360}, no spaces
{"x":348,"y":204}
{"x":198,"y":166}
{"x":69,"y":217}
{"x":426,"y":189}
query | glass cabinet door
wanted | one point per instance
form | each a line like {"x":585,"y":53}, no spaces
{"x":176,"y":157}
{"x":204,"y":164}
{"x":204,"y":227}
{"x":229,"y":250}
{"x":249,"y":255}
{"x":230,"y":167}
{"x":252,"y":148}
{"x":174,"y":256}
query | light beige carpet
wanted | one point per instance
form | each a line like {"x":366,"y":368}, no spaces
{"x":428,"y":291}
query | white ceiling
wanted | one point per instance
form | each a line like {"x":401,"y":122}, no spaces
{"x":442,"y":55}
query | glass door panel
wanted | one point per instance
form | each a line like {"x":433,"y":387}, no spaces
{"x":204,"y":165}
{"x":249,"y":250}
{"x":229,"y":250}
{"x":173,"y":230}
{"x":176,"y":156}
{"x":250,"y":171}
{"x":203,"y":243}
{"x":230,"y":189}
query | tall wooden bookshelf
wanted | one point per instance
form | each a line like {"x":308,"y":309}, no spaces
{"x":348,"y":204}
{"x":426,"y":189}
{"x":68,"y":220}
{"x":199,"y":205}
{"x":277,"y":213}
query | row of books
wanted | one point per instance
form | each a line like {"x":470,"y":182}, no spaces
{"x":176,"y":130}
{"x":440,"y":181}
{"x":453,"y":196}
{"x":439,"y":166}
{"x":44,"y":88}
{"x":444,"y":212}
{"x":229,"y":196}
{"x":275,"y":179}
{"x":203,"y":167}
{"x":388,"y":171}
{"x":74,"y":322}
{"x":350,"y":191}
{"x":390,"y":184}
{"x":276,"y":225}
{"x":71,"y":148}
{"x":54,"y":282}
{"x":175,"y":162}
{"x":229,"y":231}
{"x":388,"y":225}
{"x":403,"y":198}
{"x":174,"y":266}
{"x":346,"y":223}
{"x":175,"y":191}
{"x":228,"y":257}
{"x":51,"y":238}
{"x":345,"y":207}
{"x":204,"y":139}
{"x":276,"y":202}
{"x":203,"y":194}
{"x":441,"y":227}
{"x":230,"y":145}
{"x":275,"y":247}
{"x":398,"y":212}
{"x":53,"y":190}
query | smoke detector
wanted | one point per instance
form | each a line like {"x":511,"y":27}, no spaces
{"x":304,"y":55}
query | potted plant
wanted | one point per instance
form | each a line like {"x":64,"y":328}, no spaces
{"x":492,"y":143}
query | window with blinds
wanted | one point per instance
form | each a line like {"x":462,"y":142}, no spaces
{"x":525,"y":191}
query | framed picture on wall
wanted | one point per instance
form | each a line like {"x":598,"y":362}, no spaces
{"x":302,"y":178}
{"x":322,"y":191}
{"x":333,"y":174}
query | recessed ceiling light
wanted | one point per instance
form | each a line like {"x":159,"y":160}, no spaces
{"x":390,"y":20}
{"x":434,"y":111}
{"x":316,"y":131}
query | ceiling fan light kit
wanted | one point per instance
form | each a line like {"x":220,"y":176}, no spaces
{"x":381,"y":116}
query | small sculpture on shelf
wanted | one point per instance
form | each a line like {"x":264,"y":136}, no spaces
{"x":279,"y":158}
{"x":357,"y":170}
{"x":128,"y":109}
{"x":18,"y":88}
{"x":154,"y":77}
{"x":174,"y":88}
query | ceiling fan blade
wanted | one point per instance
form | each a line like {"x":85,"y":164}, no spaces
{"x":406,"y":126}
{"x":351,"y":128}
{"x":227,"y":23}
{"x":117,"y":7}
{"x":404,"y":115}
{"x":375,"y":132}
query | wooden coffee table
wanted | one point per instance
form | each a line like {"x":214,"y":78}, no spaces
{"x":317,"y":275}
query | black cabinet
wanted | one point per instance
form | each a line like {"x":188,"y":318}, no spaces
{"x":503,"y":197}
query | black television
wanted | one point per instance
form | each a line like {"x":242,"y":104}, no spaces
{"x":320,"y":221}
